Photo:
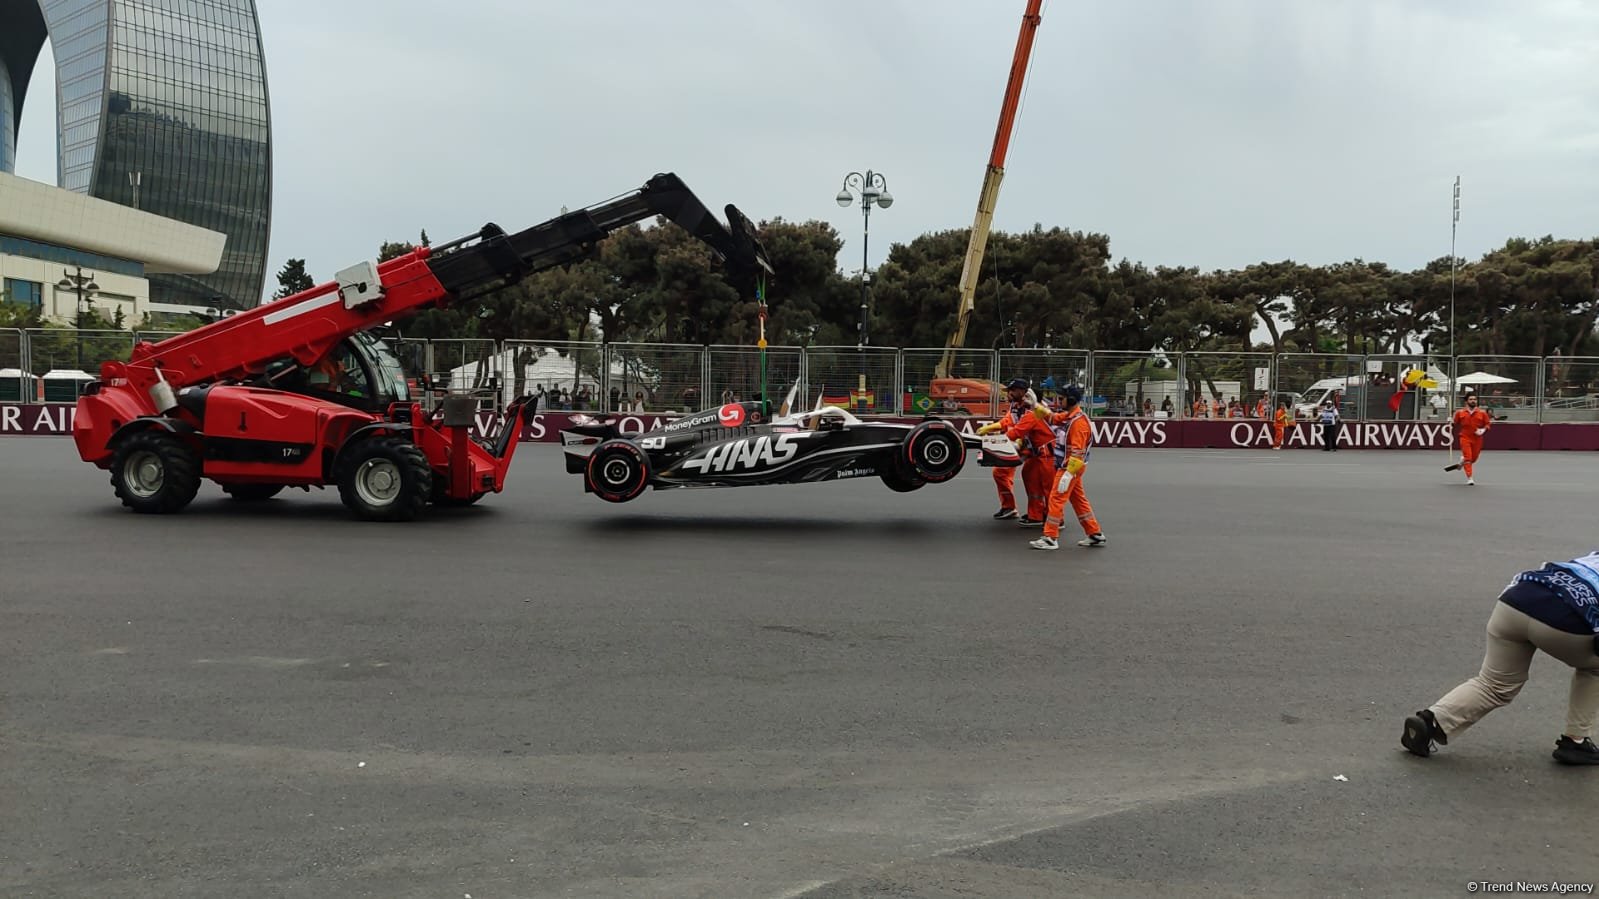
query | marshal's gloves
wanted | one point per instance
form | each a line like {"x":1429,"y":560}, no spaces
{"x":989,"y":428}
{"x":1074,"y":466}
{"x":1065,"y":482}
{"x":1041,"y":412}
{"x":1481,"y":431}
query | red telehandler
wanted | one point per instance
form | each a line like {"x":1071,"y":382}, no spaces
{"x":297,"y":393}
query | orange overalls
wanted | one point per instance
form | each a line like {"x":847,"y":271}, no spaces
{"x":1467,"y":424}
{"x":1036,"y":442}
{"x":1073,"y":434}
{"x":1005,"y":478}
{"x":1277,"y":427}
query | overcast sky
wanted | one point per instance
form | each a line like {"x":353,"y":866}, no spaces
{"x":1213,"y":133}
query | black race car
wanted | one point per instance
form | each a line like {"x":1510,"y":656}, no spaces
{"x":732,"y":446}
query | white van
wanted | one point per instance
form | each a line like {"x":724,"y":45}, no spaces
{"x":1309,"y":405}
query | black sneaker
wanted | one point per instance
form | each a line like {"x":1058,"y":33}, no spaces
{"x":1026,"y":522}
{"x":1422,"y":734}
{"x":1003,"y":514}
{"x":1570,"y":752}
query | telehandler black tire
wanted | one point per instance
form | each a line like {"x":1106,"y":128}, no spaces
{"x":155,"y":472}
{"x":385,"y":479}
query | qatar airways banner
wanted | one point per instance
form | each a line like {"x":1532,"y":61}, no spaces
{"x":36,"y":418}
{"x":56,"y":419}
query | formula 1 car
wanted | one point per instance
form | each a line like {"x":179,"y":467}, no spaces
{"x":732,"y":446}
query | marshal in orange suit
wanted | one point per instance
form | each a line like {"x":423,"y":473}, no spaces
{"x":1471,"y":423}
{"x":1022,"y":399}
{"x":1073,"y":434}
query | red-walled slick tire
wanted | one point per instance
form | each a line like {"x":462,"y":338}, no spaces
{"x":617,"y":471}
{"x":934,"y":452}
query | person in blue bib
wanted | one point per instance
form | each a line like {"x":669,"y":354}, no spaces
{"x":1554,"y":608}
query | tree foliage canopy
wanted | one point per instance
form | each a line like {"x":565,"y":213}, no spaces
{"x":1042,"y":287}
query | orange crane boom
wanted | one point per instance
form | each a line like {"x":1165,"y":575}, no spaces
{"x":989,"y":197}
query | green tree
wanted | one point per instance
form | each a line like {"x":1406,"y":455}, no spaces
{"x":19,"y":315}
{"x":292,"y":279}
{"x":808,"y":299}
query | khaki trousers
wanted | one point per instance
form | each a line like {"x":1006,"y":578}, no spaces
{"x":1513,"y":638}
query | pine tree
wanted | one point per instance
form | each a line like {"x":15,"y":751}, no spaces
{"x":292,"y":279}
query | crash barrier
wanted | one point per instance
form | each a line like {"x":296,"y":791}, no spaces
{"x":47,"y":419}
{"x":43,"y":365}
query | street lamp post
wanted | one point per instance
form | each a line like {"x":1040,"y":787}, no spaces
{"x":1453,"y":365}
{"x":872,"y":188}
{"x":84,"y":286}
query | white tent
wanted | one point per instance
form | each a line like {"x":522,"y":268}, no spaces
{"x":550,"y":369}
{"x":1482,"y":377}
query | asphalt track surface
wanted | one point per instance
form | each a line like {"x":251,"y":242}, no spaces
{"x":819,"y":691}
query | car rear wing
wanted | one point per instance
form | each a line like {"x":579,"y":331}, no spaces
{"x":498,"y":259}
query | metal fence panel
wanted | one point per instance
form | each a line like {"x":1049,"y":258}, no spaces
{"x":1122,"y":383}
{"x":968,"y":388}
{"x":68,"y":358}
{"x":864,"y":380}
{"x":469,"y":366}
{"x":1383,"y":395}
{"x":1047,"y":370}
{"x":671,"y":376}
{"x":1507,"y":386}
{"x":734,"y":372}
{"x":1305,"y":380}
{"x":16,"y":383}
{"x":72,"y":349}
{"x":1570,"y":389}
{"x":563,"y":374}
{"x":1228,"y":385}
{"x":466,"y":365}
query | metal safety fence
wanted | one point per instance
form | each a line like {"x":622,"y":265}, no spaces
{"x":53,"y":364}
{"x":734,"y":373}
{"x":17,"y":382}
{"x":1568,"y":389}
{"x":864,"y":380}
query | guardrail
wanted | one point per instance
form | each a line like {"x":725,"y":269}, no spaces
{"x":51,"y":365}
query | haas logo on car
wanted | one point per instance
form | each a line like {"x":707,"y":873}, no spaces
{"x":746,"y":455}
{"x":730,"y":415}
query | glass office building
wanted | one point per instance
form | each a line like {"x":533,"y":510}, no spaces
{"x":160,"y":105}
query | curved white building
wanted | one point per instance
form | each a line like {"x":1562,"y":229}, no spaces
{"x":161,"y":106}
{"x":47,"y":233}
